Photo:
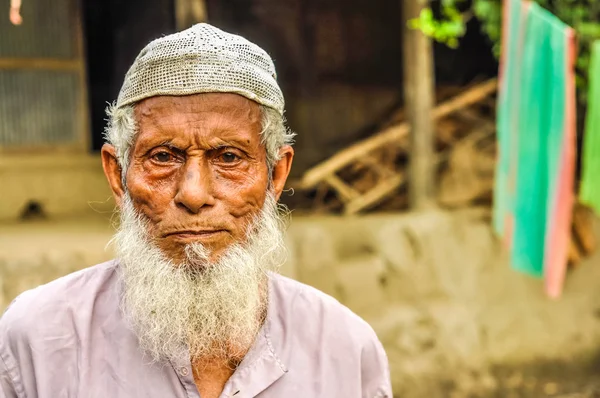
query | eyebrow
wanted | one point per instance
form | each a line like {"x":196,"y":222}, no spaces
{"x":166,"y":143}
{"x":243,"y":144}
{"x":215,"y":143}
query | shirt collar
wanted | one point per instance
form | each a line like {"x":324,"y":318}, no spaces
{"x":262,"y":366}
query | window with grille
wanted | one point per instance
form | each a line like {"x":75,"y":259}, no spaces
{"x":43,"y":97}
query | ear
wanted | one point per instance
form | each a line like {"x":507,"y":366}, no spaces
{"x":112,"y":171}
{"x":282,"y":170}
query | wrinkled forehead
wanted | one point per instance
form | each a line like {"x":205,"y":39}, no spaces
{"x":224,"y":116}
{"x":198,"y":105}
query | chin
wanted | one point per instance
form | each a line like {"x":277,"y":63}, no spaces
{"x":182,"y":256}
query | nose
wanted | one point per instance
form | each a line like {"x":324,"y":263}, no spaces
{"x":195,"y":188}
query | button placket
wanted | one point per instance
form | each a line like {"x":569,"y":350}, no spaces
{"x":183,"y":370}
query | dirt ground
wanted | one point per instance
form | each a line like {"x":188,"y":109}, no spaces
{"x":550,"y":379}
{"x":537,"y":379}
{"x":38,"y":251}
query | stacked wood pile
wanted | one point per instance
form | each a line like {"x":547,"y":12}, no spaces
{"x":372,"y":174}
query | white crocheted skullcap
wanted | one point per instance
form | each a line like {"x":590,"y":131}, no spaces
{"x":202,"y":59}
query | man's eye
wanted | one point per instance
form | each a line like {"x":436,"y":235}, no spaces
{"x":229,"y":157}
{"x":162,"y":157}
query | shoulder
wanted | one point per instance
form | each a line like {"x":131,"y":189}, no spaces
{"x":317,"y":320}
{"x":56,"y":302}
{"x":297,"y":300}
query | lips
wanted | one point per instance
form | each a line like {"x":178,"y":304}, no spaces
{"x":195,"y":234}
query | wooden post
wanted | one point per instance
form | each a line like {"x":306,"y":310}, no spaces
{"x":189,"y":12}
{"x":419,"y":102}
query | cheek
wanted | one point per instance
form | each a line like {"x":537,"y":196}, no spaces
{"x":151,"y":195}
{"x":243,"y":195}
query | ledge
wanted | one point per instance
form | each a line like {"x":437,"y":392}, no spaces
{"x":45,"y":161}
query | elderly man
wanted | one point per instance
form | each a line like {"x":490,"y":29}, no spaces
{"x":197,"y":157}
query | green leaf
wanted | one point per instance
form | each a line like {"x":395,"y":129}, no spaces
{"x":482,"y":8}
{"x":452,"y":42}
{"x":590,"y":29}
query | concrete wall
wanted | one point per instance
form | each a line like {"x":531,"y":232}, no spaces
{"x":454,"y":318}
{"x":451,"y":313}
{"x":62,"y":183}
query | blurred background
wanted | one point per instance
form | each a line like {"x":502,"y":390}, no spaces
{"x":399,"y":182}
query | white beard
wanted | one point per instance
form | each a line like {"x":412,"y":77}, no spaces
{"x":198,"y":309}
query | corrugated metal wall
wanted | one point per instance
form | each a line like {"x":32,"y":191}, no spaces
{"x":47,"y":31}
{"x":38,"y":107}
{"x":42,"y":83}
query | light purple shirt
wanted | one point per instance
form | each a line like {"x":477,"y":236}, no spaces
{"x":68,"y":339}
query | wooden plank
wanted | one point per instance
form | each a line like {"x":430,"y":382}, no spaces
{"x":74,"y":65}
{"x":48,"y":160}
{"x":85,"y":133}
{"x":466,"y":98}
{"x":419,"y":101}
{"x":319,"y":200}
{"x":380,"y":169}
{"x":57,"y":149}
{"x":470,"y":115}
{"x":352,"y":153}
{"x":574,"y":254}
{"x":190,"y":12}
{"x":375,"y":195}
{"x":583,"y":228}
{"x":393,"y":134}
{"x":346,"y":192}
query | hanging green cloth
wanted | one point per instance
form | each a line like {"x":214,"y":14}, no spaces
{"x":536,"y":134}
{"x":513,"y":27}
{"x":590,"y":182}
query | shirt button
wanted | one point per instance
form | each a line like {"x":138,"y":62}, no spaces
{"x":183,"y":371}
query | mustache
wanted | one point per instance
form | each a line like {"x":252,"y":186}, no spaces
{"x":192,"y":231}
{"x":195,"y":228}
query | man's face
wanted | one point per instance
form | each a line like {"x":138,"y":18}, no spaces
{"x":198,"y":170}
